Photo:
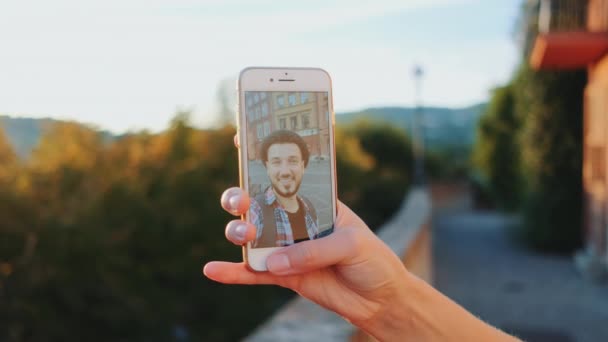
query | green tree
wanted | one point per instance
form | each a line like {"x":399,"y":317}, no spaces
{"x":104,"y":241}
{"x":8,"y":158}
{"x":374,"y":162}
{"x":497,"y":152}
{"x":552,"y":108}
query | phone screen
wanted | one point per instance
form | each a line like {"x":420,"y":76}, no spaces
{"x":289,"y":166}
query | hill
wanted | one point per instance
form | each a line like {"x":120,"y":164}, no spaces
{"x":24,"y":133}
{"x":443,"y":126}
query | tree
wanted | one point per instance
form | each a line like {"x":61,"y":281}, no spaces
{"x":552,"y":143}
{"x":105,"y":240}
{"x":496,"y":153}
{"x":67,"y":144}
{"x":8,"y":159}
{"x":374,"y":162}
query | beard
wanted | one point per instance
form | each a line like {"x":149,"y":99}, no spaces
{"x":288,"y":191}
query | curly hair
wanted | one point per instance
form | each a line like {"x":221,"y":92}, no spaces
{"x":284,"y":137}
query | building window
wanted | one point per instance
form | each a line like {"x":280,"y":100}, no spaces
{"x":294,"y":122}
{"x":258,"y":112}
{"x":305,"y":121}
{"x":263,"y":95}
{"x":283,"y":123}
{"x":260,"y":132}
{"x":256,"y":98}
{"x":266,"y":128}
{"x":280,"y":101}
{"x":303,"y":97}
{"x":251,"y":114}
{"x":264,"y":109}
{"x":248,"y":101}
{"x":292,"y":99}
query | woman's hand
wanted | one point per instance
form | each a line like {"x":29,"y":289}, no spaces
{"x":350,"y":271}
{"x":354,"y":274}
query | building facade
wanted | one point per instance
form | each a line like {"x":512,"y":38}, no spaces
{"x":573,"y":34}
{"x":306,"y":113}
{"x":260,"y":123}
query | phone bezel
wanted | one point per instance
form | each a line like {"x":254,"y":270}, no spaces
{"x":259,"y":79}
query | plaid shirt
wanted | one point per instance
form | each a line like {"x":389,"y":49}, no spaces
{"x":283,"y":226}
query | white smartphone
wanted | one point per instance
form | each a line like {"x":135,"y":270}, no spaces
{"x":285,"y":123}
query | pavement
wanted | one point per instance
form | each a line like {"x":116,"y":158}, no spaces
{"x":537,"y":297}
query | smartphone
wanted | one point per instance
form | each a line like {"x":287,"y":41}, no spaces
{"x":287,"y":161}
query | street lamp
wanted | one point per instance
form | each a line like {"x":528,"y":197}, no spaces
{"x":418,"y":129}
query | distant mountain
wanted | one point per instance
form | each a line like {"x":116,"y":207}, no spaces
{"x":24,"y":133}
{"x":443,"y":126}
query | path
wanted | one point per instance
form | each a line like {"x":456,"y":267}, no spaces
{"x":539,"y":298}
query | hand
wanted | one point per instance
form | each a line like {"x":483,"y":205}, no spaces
{"x":354,"y":274}
{"x":350,"y":272}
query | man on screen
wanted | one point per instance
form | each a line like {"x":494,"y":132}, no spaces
{"x":281,"y":216}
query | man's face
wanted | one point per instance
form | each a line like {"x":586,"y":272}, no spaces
{"x":285,"y":168}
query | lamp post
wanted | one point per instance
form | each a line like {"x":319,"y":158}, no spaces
{"x":418,"y":129}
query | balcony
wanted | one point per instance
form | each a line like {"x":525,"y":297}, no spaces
{"x":572,"y":34}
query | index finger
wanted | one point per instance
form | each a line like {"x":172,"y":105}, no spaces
{"x":235,"y":201}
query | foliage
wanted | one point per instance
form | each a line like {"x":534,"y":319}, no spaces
{"x":104,"y":241}
{"x":529,"y":154}
{"x":551,"y":138}
{"x":24,"y":130}
{"x":8,"y":159}
{"x":374,"y":162}
{"x":448,"y":163}
{"x":496,"y":154}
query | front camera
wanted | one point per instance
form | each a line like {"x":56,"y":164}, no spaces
{"x":272,"y":80}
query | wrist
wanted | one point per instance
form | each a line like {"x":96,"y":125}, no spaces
{"x":402,"y":315}
{"x":418,"y":312}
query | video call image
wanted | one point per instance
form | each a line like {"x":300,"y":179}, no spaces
{"x":289,"y":168}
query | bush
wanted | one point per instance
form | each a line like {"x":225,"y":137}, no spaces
{"x":496,"y":154}
{"x":448,"y":163}
{"x":551,"y":105}
{"x":105,"y":241}
{"x":374,"y":162}
{"x":529,"y":154}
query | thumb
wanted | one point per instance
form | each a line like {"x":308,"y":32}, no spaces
{"x":341,"y":246}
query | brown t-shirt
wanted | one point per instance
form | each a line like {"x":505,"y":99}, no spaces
{"x":298,"y":223}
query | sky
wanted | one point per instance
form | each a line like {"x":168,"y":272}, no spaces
{"x":125,"y":65}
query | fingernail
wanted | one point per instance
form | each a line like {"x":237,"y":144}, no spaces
{"x":234,"y":202}
{"x":278,"y":263}
{"x":240,"y":231}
